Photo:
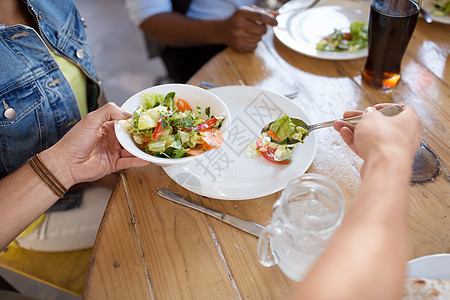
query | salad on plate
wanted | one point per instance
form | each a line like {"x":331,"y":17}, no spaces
{"x":442,"y":8}
{"x":343,"y":40}
{"x":166,"y":126}
{"x":277,"y":143}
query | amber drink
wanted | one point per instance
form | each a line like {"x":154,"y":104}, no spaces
{"x":391,"y":25}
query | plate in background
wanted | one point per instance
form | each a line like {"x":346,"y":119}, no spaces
{"x":429,"y":7}
{"x":302,"y":30}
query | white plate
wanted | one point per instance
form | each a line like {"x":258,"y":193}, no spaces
{"x":429,"y":7}
{"x":227,"y":173}
{"x":436,"y":266}
{"x":302,"y":30}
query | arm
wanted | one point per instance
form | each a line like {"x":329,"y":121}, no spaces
{"x":366,"y":258}
{"x":241,"y":31}
{"x":87,"y":152}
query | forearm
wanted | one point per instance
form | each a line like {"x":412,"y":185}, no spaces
{"x":26,"y":197}
{"x":88,"y":152}
{"x":367,"y":255}
{"x":176,"y":30}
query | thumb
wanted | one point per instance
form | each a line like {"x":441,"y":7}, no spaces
{"x":108,"y":112}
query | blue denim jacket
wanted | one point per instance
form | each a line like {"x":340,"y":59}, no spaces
{"x":34,"y":87}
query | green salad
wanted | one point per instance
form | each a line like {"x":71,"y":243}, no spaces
{"x":276,"y":145}
{"x":442,"y":8}
{"x":166,"y":126}
{"x":341,"y":40}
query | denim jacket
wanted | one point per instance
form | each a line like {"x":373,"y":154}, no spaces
{"x":32,"y":85}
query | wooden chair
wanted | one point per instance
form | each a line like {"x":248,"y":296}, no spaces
{"x":63,"y":270}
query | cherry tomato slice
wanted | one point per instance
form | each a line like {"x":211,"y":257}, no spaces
{"x":347,"y":36}
{"x":211,"y":137}
{"x":197,"y":150}
{"x":269,"y":153}
{"x":182,"y":105}
{"x":208,"y":124}
{"x":158,"y":131}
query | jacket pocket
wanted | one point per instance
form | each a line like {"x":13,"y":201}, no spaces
{"x":20,"y":134}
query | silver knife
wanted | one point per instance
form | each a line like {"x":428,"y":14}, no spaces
{"x":239,"y":223}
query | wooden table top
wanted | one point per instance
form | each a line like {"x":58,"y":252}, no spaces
{"x":150,"y":248}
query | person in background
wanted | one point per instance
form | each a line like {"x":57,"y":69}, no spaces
{"x":48,"y":84}
{"x":366,"y":258}
{"x":89,"y":151}
{"x":187,"y":33}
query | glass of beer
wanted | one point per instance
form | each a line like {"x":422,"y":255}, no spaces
{"x":391,"y":25}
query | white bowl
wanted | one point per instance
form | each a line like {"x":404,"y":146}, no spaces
{"x":434,"y":266}
{"x":194,"y":95}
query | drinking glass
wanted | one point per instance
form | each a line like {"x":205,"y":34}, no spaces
{"x":304,"y":218}
{"x":391,"y":25}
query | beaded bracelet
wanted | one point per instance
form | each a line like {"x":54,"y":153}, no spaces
{"x":47,"y":176}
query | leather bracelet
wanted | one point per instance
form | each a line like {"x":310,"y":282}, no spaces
{"x":47,"y":176}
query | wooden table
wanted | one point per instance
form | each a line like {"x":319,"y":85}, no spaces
{"x":151,"y":248}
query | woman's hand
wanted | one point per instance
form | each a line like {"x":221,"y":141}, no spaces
{"x":376,"y":133}
{"x":377,"y":216}
{"x":90,"y":149}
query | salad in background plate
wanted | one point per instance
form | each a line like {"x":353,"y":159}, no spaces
{"x":442,"y":8}
{"x":351,"y":40}
{"x":438,"y":9}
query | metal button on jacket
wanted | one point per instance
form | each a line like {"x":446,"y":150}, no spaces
{"x":80,"y":53}
{"x":9,"y":113}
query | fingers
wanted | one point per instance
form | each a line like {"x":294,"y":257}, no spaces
{"x":247,"y":46}
{"x":376,"y":130}
{"x":130,"y":162}
{"x":113,"y":112}
{"x":410,"y":117}
{"x":411,"y":112}
{"x":347,"y":127}
{"x":254,"y":31}
{"x":369,"y":109}
{"x":352,"y":113}
{"x":259,"y":15}
{"x":245,"y":28}
{"x":125,"y":160}
{"x":125,"y":153}
{"x":381,"y":105}
{"x":107,"y":112}
{"x":338,"y":124}
{"x":348,"y":137}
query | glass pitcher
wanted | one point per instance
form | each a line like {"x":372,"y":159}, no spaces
{"x":304,"y":218}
